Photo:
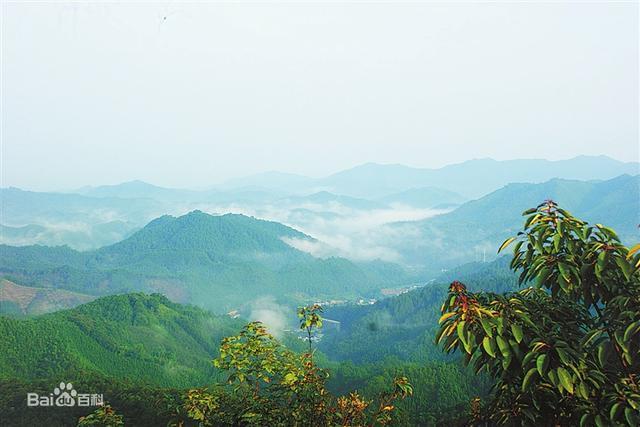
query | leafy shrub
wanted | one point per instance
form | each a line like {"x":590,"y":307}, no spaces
{"x":565,"y":351}
{"x":269,"y":384}
{"x":104,"y":416}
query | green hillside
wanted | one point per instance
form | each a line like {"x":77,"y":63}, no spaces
{"x":221,"y":238}
{"x":474,"y":230}
{"x":140,"y":337}
{"x":404,"y":326}
{"x":217,"y":262}
{"x":19,"y":301}
{"x":141,"y":350}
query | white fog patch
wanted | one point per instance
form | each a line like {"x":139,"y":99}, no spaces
{"x":350,"y":247}
{"x":316,"y":248}
{"x":342,"y":230}
{"x":72,"y":227}
{"x":359,"y":235}
{"x":275,"y":316}
{"x":339,"y":230}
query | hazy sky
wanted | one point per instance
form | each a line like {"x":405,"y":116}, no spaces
{"x":191,"y":94}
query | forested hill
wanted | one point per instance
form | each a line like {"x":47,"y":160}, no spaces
{"x":222,"y":237}
{"x":141,"y":337}
{"x":404,"y":326}
{"x":611,"y":202}
{"x":218,"y":262}
{"x":475,"y":229}
{"x":132,"y":347}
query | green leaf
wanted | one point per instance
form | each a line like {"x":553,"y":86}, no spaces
{"x":614,"y":411}
{"x":563,"y":355}
{"x":506,"y":361}
{"x":564,"y":271}
{"x":500,"y":325}
{"x":467,"y":344}
{"x":565,"y":379}
{"x":629,"y":416}
{"x":602,"y":259}
{"x":527,"y":379}
{"x":440,"y":335}
{"x":633,"y":250}
{"x":290,"y":378}
{"x":503,"y":345}
{"x":630,"y":330}
{"x":543,"y":276}
{"x":602,"y":353}
{"x":626,"y":268}
{"x":446,"y":316}
{"x":506,"y":243}
{"x":460,"y":328}
{"x":584,"y":390}
{"x":590,"y":336}
{"x":517,"y":247}
{"x":556,"y":242}
{"x":517,"y":332}
{"x":531,"y":219}
{"x":528,"y":358}
{"x":608,"y":232}
{"x":564,"y":283}
{"x":486,"y":325}
{"x":489,"y":346}
{"x":542,"y":363}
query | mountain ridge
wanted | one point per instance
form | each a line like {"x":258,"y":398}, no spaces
{"x":469,"y":178}
{"x":581,"y":165}
{"x":221,"y":262}
{"x":477,"y":227}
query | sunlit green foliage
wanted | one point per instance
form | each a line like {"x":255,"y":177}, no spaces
{"x":441,"y":390}
{"x":567,"y":350}
{"x":279,"y":387}
{"x":104,"y":416}
{"x":310,"y":320}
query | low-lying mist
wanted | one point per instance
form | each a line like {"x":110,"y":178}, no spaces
{"x":276,"y":317}
{"x":356,"y":234}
